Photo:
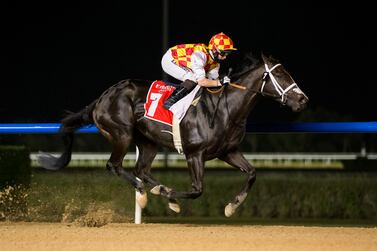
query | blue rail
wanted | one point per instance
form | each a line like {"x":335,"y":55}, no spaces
{"x":314,"y":127}
{"x":304,"y":127}
{"x":39,"y":128}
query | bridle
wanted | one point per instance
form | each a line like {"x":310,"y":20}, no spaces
{"x":282,"y":92}
{"x":268,"y":73}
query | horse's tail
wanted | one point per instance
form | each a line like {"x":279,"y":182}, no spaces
{"x":69,"y":124}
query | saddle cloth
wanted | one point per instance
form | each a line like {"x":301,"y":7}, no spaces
{"x":157,"y":94}
{"x":154,"y":110}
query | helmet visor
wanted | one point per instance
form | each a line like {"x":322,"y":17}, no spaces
{"x":225,"y":53}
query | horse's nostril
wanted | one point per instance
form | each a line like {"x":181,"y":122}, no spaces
{"x":302,"y":100}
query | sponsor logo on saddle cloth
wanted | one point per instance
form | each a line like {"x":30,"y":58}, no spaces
{"x":154,"y":110}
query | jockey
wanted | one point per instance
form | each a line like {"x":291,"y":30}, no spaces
{"x":196,"y":64}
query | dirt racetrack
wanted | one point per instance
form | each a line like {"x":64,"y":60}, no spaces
{"x":59,"y":236}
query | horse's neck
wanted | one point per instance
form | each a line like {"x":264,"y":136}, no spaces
{"x":241,"y":102}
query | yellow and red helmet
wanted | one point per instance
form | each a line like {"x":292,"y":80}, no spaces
{"x":221,"y":42}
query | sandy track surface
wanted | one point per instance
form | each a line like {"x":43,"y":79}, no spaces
{"x":51,"y":236}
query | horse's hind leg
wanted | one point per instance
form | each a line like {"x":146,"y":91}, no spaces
{"x":114,"y":164}
{"x":147,"y":153}
{"x":237,"y":160}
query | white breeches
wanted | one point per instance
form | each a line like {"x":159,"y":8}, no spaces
{"x":174,"y":70}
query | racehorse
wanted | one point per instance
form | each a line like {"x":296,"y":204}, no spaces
{"x":212,"y":129}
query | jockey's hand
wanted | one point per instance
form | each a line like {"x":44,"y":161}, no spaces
{"x":225,"y":80}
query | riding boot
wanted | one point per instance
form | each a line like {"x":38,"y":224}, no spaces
{"x":180,"y":92}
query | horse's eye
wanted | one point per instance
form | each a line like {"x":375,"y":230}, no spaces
{"x":278,"y":73}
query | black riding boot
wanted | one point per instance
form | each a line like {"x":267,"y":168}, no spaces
{"x":179,"y":93}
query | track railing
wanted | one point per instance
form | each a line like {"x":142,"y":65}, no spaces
{"x":298,"y":127}
{"x":304,"y":127}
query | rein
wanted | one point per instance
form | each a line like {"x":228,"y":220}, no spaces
{"x":221,"y":91}
{"x":222,"y":88}
{"x":215,"y":91}
{"x":237,"y":86}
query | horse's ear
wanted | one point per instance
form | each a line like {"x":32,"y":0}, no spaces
{"x":264,"y":58}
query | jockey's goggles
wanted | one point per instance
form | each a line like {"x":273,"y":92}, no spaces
{"x":225,"y":53}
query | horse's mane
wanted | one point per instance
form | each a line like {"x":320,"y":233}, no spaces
{"x":249,"y":62}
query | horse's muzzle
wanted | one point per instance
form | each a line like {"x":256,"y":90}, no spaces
{"x":299,"y":104}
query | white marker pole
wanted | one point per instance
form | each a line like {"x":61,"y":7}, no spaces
{"x":137,"y":193}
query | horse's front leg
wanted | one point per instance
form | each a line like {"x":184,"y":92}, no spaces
{"x":196,"y":168}
{"x":237,"y":160}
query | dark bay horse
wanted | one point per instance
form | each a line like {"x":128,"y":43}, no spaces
{"x":119,"y":115}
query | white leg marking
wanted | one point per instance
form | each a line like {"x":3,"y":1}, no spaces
{"x":175,"y":207}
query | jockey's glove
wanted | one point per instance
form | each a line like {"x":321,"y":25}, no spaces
{"x":225,"y":80}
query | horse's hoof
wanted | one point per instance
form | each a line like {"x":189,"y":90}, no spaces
{"x":175,"y":207}
{"x":156,"y":190}
{"x":141,"y":199}
{"x":229,"y":210}
{"x":48,"y":161}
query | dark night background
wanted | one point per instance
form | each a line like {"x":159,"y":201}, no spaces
{"x":62,"y":56}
